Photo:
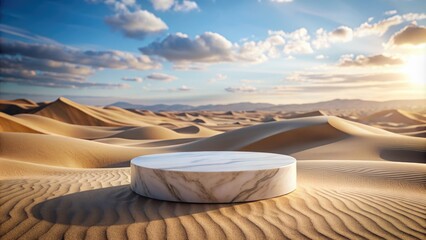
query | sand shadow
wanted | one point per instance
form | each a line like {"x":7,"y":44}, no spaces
{"x":403,"y":155}
{"x":113,"y":206}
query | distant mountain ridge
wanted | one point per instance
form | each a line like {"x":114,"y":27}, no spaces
{"x":244,"y":106}
{"x":155,"y":108}
{"x":340,"y":105}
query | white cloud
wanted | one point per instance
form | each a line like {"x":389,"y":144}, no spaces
{"x":138,"y":24}
{"x":414,"y":16}
{"x":61,"y":53}
{"x":51,"y":79}
{"x":218,"y":77}
{"x":363,"y":61}
{"x":297,"y":41}
{"x":241,"y":89}
{"x":298,"y":47}
{"x":162,"y":5}
{"x":132,"y":79}
{"x":251,"y":51}
{"x":390,"y":12}
{"x":331,"y":82}
{"x":188,"y":66}
{"x":117,"y":5}
{"x":161,"y":77}
{"x":211,"y":47}
{"x":379,"y":28}
{"x":51,"y":64}
{"x":184,"y":88}
{"x":324,"y":38}
{"x":320,"y":57}
{"x":185,"y":6}
{"x":207,"y":47}
{"x":36,"y":64}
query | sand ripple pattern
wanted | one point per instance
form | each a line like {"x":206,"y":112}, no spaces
{"x":98,"y":204}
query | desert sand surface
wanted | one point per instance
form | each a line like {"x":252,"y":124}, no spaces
{"x":65,"y":173}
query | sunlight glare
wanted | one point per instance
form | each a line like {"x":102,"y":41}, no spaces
{"x":415,"y":69}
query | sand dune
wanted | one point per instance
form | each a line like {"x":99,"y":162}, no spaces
{"x":30,"y":123}
{"x":17,"y":106}
{"x":50,"y":126}
{"x":304,"y":114}
{"x":12,"y":124}
{"x":395,"y":116}
{"x":153,"y":132}
{"x":271,"y":119}
{"x":199,"y":131}
{"x":64,"y":174}
{"x":313,"y":138}
{"x":70,"y":112}
{"x":63,"y":151}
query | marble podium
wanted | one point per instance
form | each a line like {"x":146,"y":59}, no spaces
{"x":213,"y":177}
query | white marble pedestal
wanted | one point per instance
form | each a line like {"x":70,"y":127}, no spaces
{"x":213,"y":177}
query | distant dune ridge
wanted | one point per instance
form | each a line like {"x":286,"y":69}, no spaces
{"x":64,"y":172}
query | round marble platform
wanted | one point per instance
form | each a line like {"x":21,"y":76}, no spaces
{"x":213,"y":177}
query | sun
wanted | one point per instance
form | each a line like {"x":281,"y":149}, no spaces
{"x":415,"y":69}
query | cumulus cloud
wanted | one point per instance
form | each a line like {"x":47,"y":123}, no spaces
{"x":60,"y":66}
{"x":61,"y":53}
{"x":379,"y":28}
{"x":363,"y":61}
{"x":162,"y":5}
{"x":117,"y":5}
{"x":207,"y":47}
{"x":297,"y":41}
{"x":324,"y":38}
{"x":161,"y":77}
{"x":131,"y":20}
{"x":241,"y":89}
{"x":137,"y":24}
{"x":185,"y":6}
{"x":251,"y":51}
{"x":409,"y":36}
{"x":132,"y":79}
{"x":341,"y":34}
{"x":212,"y":47}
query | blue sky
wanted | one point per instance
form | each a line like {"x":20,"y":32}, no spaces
{"x":201,"y":52}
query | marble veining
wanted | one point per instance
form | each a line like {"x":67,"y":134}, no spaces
{"x":213,"y":177}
